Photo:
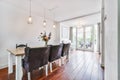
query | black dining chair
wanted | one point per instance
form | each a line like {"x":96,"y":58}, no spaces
{"x":21,"y":45}
{"x":55,"y":54}
{"x":65,"y":51}
{"x":36,"y":58}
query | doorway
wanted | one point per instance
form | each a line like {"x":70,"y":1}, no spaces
{"x":85,"y":38}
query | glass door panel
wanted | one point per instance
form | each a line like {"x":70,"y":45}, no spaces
{"x":74,"y":38}
{"x":80,"y":38}
{"x":89,"y":38}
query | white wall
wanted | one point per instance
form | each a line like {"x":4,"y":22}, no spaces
{"x":111,"y":40}
{"x":118,"y":39}
{"x":57,"y":29}
{"x":14,"y":29}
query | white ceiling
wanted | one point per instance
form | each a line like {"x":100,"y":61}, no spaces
{"x":71,"y":8}
{"x":88,"y":20}
{"x":65,"y":9}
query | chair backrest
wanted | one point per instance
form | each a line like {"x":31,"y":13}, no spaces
{"x":65,"y":50}
{"x":55,"y":52}
{"x":36,"y":57}
{"x":21,"y":45}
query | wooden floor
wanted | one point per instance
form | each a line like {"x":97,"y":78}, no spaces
{"x":81,"y":66}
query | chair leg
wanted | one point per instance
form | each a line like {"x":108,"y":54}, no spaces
{"x":28,"y":75}
{"x":46,"y":70}
{"x":50,"y":67}
{"x":67,"y":57}
{"x":59,"y":62}
{"x":62,"y":60}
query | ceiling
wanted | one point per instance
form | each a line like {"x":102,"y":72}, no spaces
{"x":66,"y":9}
{"x":63,"y":9}
{"x":87,"y":20}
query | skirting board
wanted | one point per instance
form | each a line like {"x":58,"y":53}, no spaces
{"x":3,"y":66}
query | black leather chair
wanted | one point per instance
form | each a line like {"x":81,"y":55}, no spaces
{"x":55,"y":54}
{"x":36,"y":58}
{"x":65,"y":51}
{"x":21,"y":45}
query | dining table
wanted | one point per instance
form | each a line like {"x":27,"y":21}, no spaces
{"x":18,"y":53}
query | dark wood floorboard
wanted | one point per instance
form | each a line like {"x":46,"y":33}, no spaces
{"x":81,"y":66}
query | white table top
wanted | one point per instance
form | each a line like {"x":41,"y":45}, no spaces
{"x":17,"y":52}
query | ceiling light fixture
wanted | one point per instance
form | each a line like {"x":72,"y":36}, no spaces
{"x":44,"y":21}
{"x":54,"y":24}
{"x":30,"y":17}
{"x":53,"y":11}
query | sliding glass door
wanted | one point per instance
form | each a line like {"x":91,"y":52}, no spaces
{"x":89,"y":37}
{"x":80,"y":38}
{"x":85,"y":38}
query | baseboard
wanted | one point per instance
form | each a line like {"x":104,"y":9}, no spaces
{"x":3,"y":66}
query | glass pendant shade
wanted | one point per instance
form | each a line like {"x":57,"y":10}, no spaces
{"x":54,"y":23}
{"x":44,"y":22}
{"x":54,"y":26}
{"x":30,"y":20}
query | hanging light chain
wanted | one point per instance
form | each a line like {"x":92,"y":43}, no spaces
{"x":30,"y":8}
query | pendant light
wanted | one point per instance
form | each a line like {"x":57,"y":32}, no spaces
{"x":54,"y":24}
{"x":30,"y":17}
{"x":44,"y":21}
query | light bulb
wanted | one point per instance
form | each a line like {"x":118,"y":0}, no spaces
{"x":54,"y":26}
{"x":44,"y":23}
{"x":30,"y":20}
